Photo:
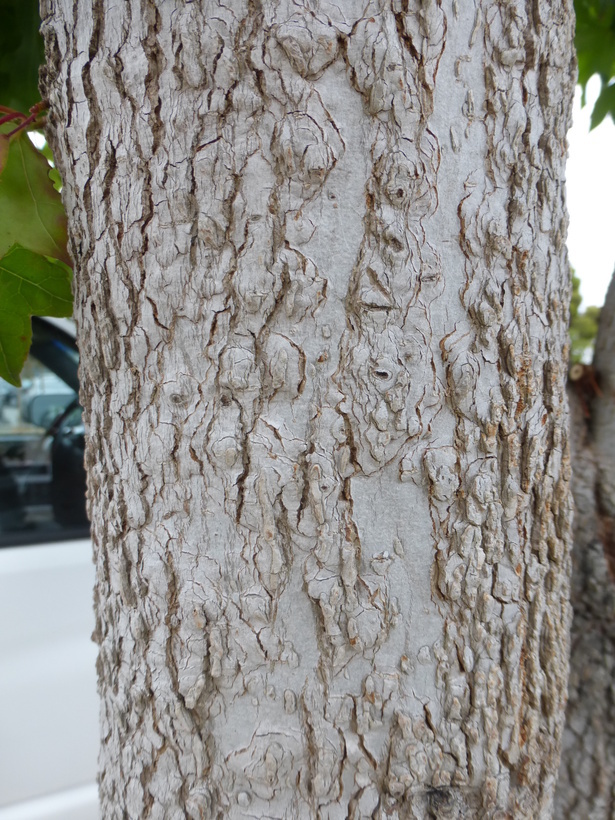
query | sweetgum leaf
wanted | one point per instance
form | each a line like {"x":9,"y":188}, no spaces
{"x":30,"y":285}
{"x":31,"y":211}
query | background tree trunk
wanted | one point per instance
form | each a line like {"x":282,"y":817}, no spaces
{"x":321,"y":294}
{"x":586,"y":785}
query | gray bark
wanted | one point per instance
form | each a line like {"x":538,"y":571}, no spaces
{"x":321,"y":295}
{"x":586,"y":785}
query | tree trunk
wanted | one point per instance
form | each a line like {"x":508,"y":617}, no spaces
{"x":586,"y":785}
{"x":321,"y":296}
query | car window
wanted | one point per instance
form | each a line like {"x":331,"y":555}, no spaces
{"x":42,"y":478}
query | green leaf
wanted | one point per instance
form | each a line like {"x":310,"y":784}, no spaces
{"x":31,"y":211}
{"x":605,"y":104}
{"x":30,"y":285}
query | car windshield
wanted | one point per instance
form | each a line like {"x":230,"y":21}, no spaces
{"x":42,"y":479}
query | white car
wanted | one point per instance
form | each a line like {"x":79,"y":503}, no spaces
{"x":48,"y":701}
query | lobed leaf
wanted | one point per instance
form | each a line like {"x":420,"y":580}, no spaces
{"x":30,"y":285}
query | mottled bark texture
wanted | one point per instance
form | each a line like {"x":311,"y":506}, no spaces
{"x":586,"y":787}
{"x":321,"y":294}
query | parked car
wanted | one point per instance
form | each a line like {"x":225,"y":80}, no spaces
{"x":48,"y":701}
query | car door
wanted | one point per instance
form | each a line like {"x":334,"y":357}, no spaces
{"x":48,"y":701}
